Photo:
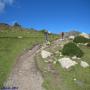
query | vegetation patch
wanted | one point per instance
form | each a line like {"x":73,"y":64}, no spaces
{"x":71,"y":49}
{"x":81,"y":39}
{"x":88,"y":44}
{"x":12,"y":44}
{"x":58,"y":78}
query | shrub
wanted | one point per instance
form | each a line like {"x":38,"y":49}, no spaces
{"x":88,"y":45}
{"x":71,"y":49}
{"x":80,"y":39}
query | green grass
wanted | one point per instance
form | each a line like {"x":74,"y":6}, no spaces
{"x":11,"y":47}
{"x":61,"y":79}
{"x":24,"y":33}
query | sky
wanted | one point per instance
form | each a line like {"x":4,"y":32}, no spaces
{"x":53,"y":15}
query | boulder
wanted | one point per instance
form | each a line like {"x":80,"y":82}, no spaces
{"x":67,"y":62}
{"x":74,"y":57}
{"x":71,"y":37}
{"x":85,"y":35}
{"x":84,"y":64}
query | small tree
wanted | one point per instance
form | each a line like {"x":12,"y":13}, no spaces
{"x":71,"y":49}
{"x":16,"y":24}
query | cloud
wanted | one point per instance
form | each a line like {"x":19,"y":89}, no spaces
{"x":9,"y":1}
{"x":3,"y":4}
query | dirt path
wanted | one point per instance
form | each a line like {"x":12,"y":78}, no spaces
{"x":25,"y":75}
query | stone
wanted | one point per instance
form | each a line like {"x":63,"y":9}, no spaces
{"x":78,"y":58}
{"x":54,"y":62}
{"x":45,"y":54}
{"x":78,"y":45}
{"x":74,"y":57}
{"x":67,"y":62}
{"x":84,"y":64}
{"x":74,"y":79}
{"x":61,"y":54}
{"x":85,"y":44}
{"x":20,"y":37}
{"x":85,"y":35}
{"x":71,"y":37}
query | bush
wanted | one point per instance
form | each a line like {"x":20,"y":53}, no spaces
{"x":71,"y":49}
{"x":88,"y":45}
{"x":80,"y":39}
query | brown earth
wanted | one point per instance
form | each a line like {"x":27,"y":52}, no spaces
{"x":25,"y":75}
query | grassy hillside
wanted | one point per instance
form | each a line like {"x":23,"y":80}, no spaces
{"x":12,"y":44}
{"x":58,"y":78}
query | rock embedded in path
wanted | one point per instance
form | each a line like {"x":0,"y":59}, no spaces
{"x":67,"y":62}
{"x":84,"y":64}
{"x":45,"y":54}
